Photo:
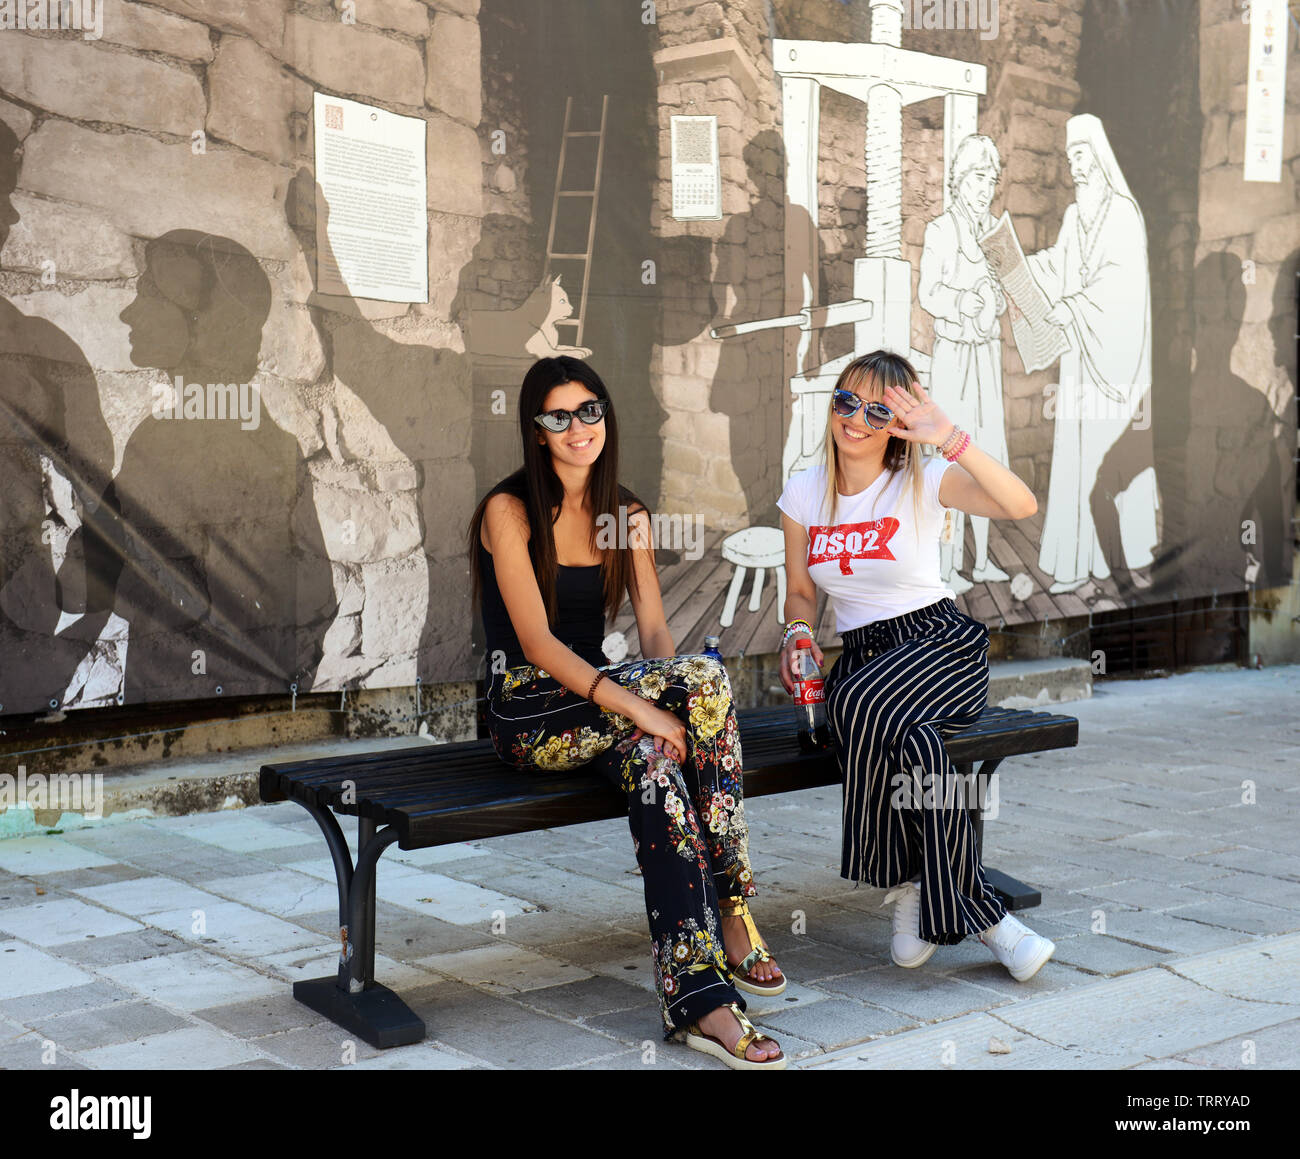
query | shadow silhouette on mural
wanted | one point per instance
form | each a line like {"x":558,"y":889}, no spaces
{"x":757,"y":315}
{"x":420,"y":395}
{"x":535,"y":49}
{"x":57,"y":540}
{"x":749,"y":384}
{"x":226,"y":583}
{"x":1139,"y":71}
{"x":1237,"y":520}
{"x":503,"y":344}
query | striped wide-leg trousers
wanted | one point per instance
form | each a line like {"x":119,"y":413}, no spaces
{"x":900,"y":687}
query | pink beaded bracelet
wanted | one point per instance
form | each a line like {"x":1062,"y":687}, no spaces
{"x":960,"y":449}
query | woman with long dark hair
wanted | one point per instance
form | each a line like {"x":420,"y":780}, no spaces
{"x":556,"y":546}
{"x":865,"y":528}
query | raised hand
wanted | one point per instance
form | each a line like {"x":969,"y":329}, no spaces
{"x":922,"y":422}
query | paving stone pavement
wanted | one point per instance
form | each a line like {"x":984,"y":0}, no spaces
{"x":1167,"y":848}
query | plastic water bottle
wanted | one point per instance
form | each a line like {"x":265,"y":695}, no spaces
{"x":711,"y":648}
{"x":809,"y":700}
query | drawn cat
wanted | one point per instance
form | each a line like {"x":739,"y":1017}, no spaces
{"x":529,"y":329}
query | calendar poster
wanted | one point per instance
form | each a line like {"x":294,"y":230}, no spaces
{"x":697,"y":183}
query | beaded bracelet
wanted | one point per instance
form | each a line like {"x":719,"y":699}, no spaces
{"x":592,"y":690}
{"x":959,"y":450}
{"x":793,"y":627}
{"x":951,"y":441}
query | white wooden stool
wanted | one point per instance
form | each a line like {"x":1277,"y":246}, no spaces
{"x":759,"y":548}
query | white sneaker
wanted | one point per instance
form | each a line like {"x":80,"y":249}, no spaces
{"x":1018,"y":948}
{"x":907,"y":948}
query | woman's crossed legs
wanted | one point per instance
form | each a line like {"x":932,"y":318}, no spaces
{"x":687,"y":819}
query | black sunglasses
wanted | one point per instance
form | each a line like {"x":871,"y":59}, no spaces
{"x":558,"y":420}
{"x":845,"y":404}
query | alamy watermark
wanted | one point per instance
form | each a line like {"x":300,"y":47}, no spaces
{"x":678,"y":532}
{"x":1092,"y":402}
{"x":216,"y":400}
{"x":922,"y":789}
{"x":77,"y":1112}
{"x":949,"y":14}
{"x":64,"y":792}
{"x":84,"y":16}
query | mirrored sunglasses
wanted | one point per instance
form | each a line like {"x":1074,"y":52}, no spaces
{"x":558,"y":420}
{"x":845,"y":404}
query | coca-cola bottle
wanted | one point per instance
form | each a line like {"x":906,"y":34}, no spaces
{"x":809,"y":700}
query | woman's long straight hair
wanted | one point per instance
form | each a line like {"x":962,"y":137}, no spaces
{"x":869,"y":377}
{"x":538,"y":487}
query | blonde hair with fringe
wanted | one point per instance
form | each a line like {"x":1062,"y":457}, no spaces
{"x":876,"y":372}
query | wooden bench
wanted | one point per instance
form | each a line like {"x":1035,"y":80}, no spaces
{"x":439,"y":795}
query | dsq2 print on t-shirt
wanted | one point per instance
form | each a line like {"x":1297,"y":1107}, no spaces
{"x":844,"y":543}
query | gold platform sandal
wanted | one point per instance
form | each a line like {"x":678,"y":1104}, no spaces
{"x":696,"y":1039}
{"x":737,"y":907}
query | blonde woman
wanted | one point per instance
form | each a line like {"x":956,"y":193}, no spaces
{"x":865,"y":529}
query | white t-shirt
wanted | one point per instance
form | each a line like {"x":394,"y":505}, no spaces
{"x":871,"y":562}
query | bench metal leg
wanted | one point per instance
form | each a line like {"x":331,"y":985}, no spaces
{"x":353,"y":999}
{"x":361,"y":903}
{"x":1015,"y":895}
{"x":338,"y":847}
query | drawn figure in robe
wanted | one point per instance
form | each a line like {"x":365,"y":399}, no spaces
{"x":1101,"y":500}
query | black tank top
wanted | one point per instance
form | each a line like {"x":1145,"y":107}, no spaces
{"x":580,"y":613}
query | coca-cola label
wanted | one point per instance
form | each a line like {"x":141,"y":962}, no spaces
{"x":809,"y":692}
{"x":849,"y":541}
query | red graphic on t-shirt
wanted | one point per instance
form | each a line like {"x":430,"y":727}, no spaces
{"x":846,"y":542}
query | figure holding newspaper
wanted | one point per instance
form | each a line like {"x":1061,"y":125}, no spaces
{"x":1096,"y":279}
{"x":959,"y":289}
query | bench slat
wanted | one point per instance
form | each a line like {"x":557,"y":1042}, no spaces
{"x":441,"y":794}
{"x":429,"y":770}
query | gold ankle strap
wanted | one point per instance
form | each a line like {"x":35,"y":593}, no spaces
{"x":751,"y":1033}
{"x":738,"y":907}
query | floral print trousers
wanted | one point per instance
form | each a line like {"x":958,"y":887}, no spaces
{"x":687,"y":820}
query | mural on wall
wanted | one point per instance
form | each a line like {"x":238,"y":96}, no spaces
{"x":1096,"y":277}
{"x":58,"y":455}
{"x":225,"y":482}
{"x":965,"y":298}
